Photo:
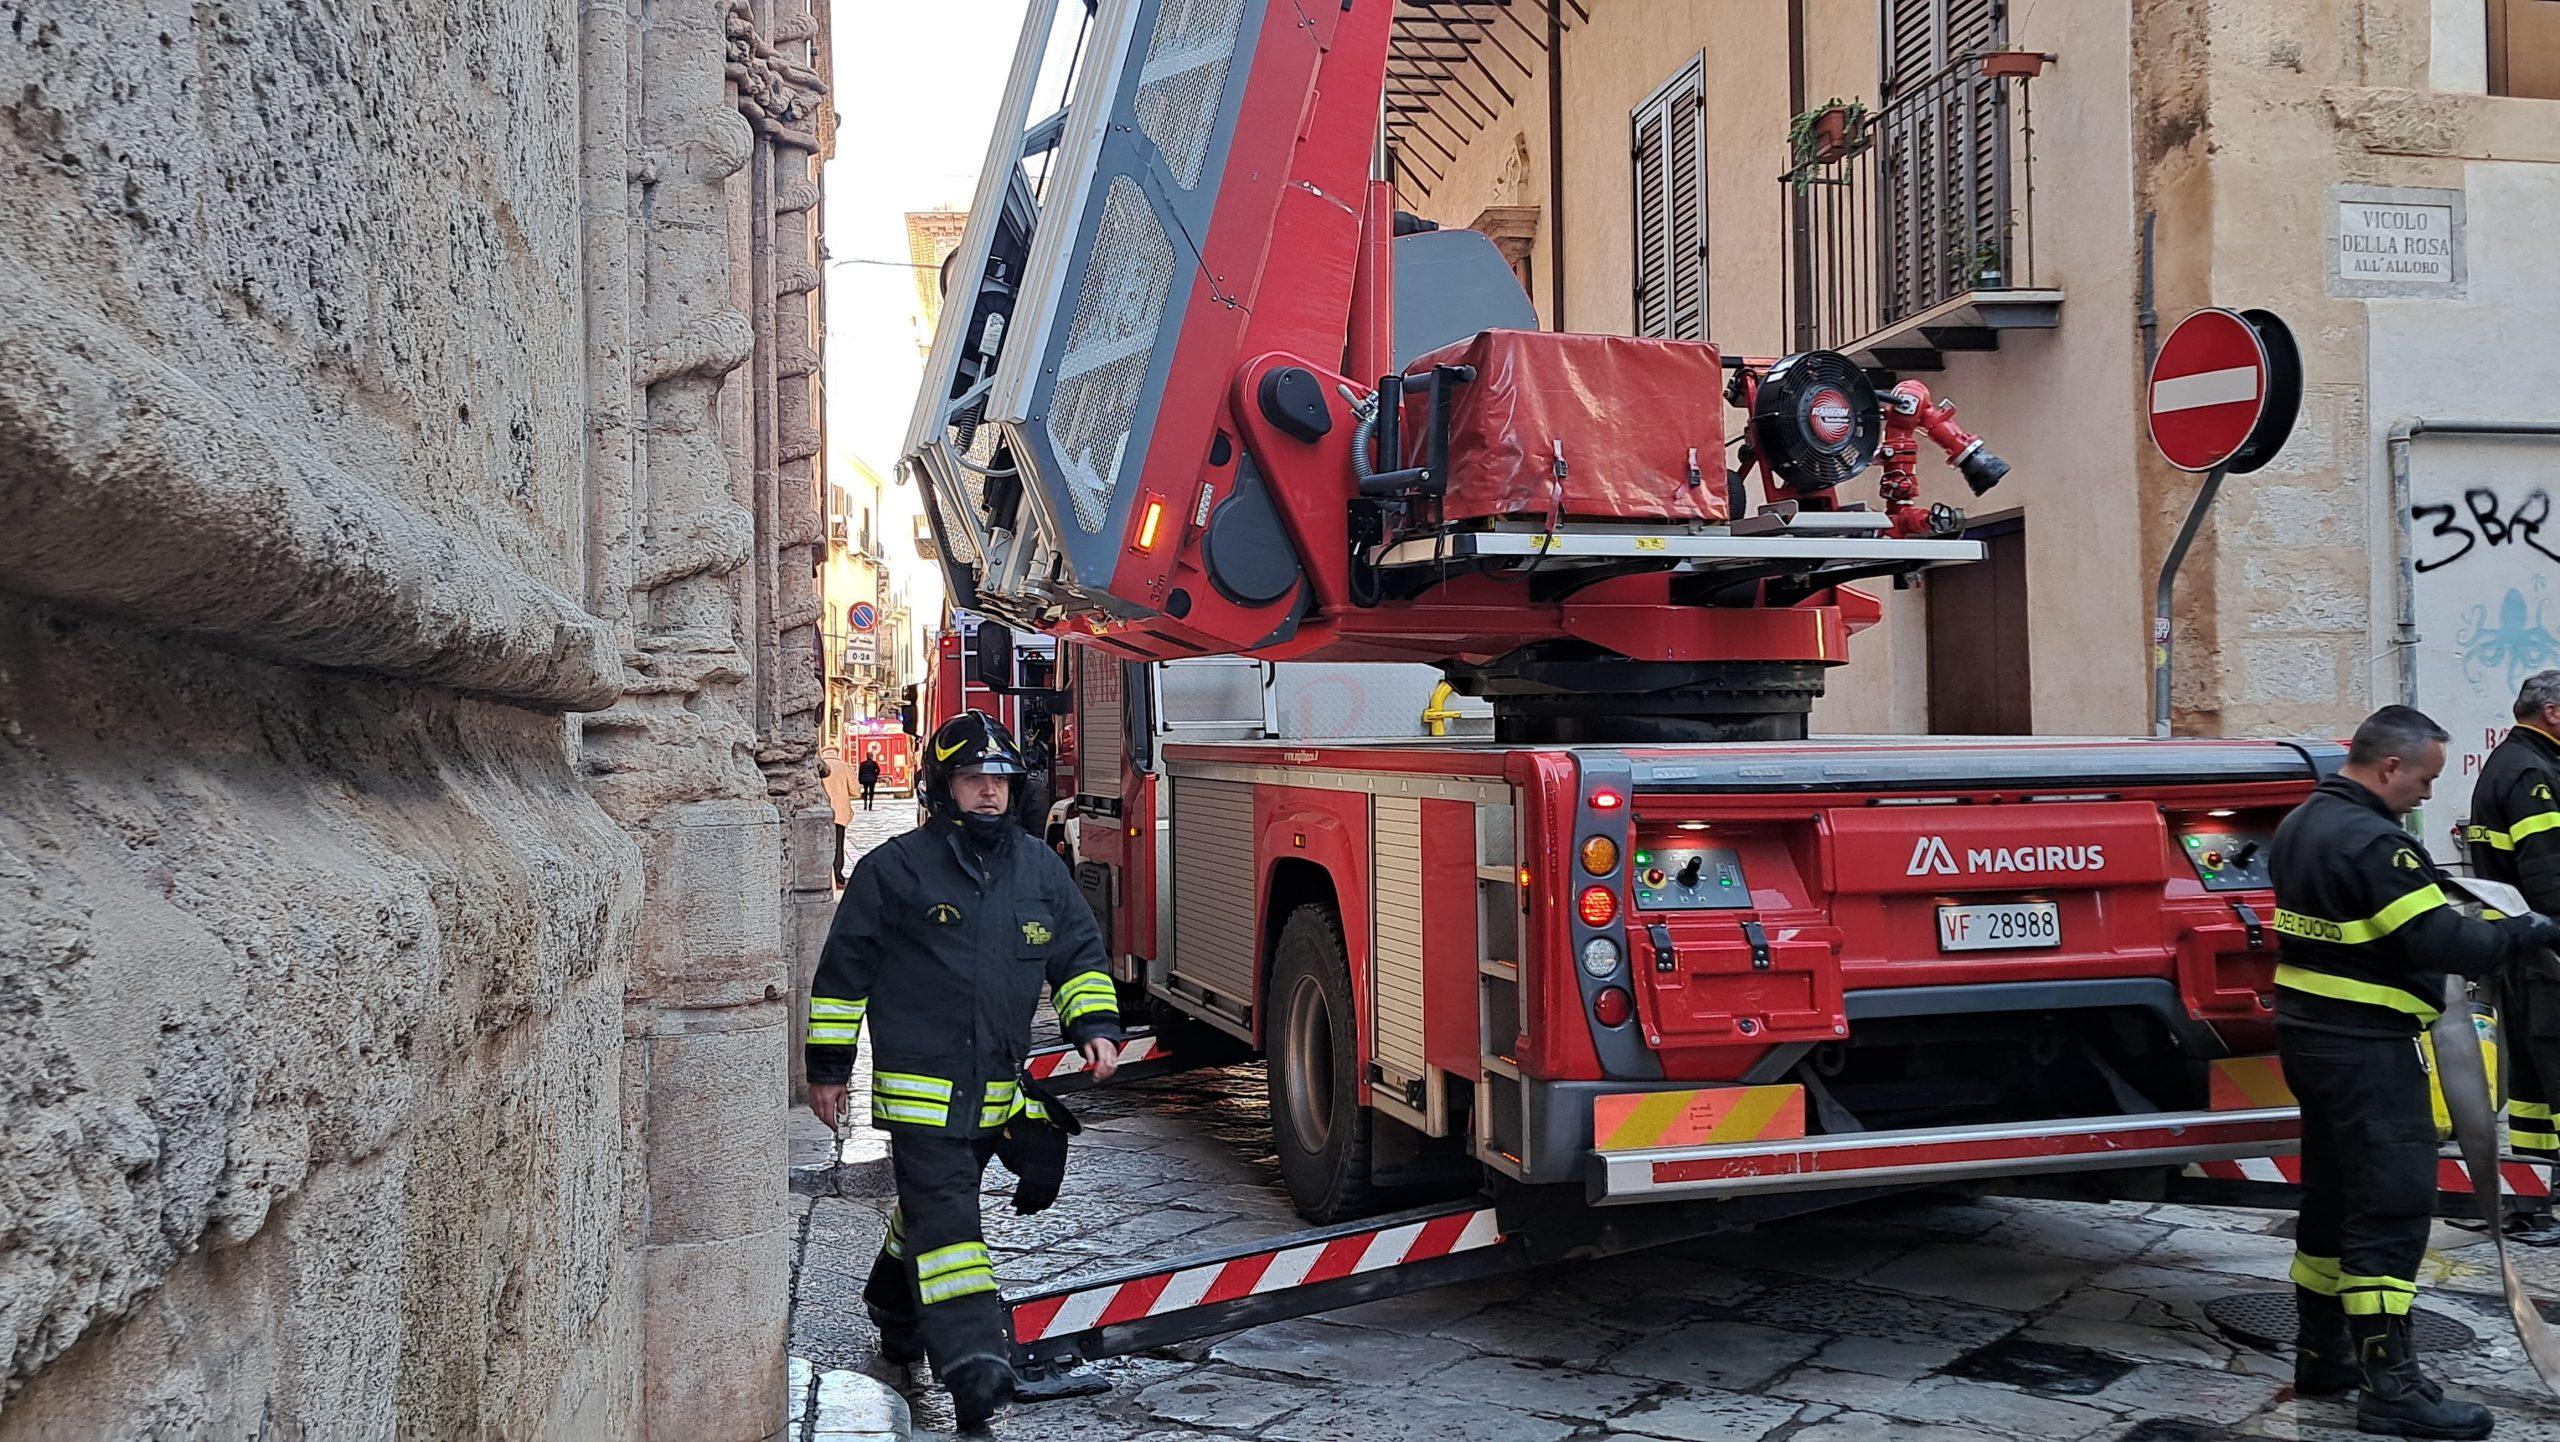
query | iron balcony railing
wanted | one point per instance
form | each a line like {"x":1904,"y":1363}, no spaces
{"x":1932,"y":198}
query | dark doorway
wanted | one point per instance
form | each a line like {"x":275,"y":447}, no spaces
{"x":1979,"y":682}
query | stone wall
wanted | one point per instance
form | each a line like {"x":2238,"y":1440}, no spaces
{"x":384,"y":1049}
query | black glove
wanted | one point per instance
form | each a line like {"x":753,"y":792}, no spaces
{"x":1033,"y":1146}
{"x":2539,"y":930}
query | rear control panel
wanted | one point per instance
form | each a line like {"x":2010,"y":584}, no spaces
{"x":1690,"y":878}
{"x":2228,"y":860}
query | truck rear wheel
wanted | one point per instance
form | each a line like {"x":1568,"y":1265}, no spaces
{"x":1317,"y":1123}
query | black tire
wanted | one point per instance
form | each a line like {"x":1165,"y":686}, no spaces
{"x":1317,"y":1123}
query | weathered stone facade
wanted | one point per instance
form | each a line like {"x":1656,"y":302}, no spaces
{"x":407,"y":518}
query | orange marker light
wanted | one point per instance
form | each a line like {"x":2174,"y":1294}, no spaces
{"x":1599,"y":906}
{"x":1151,"y":521}
{"x":1599,"y":855}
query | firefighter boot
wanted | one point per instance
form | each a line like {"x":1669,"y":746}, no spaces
{"x":982,"y":1384}
{"x":2399,"y":1400}
{"x":2324,"y":1356}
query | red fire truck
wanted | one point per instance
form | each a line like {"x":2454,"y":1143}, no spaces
{"x":1200,"y":390}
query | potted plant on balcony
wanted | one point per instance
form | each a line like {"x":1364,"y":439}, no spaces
{"x":1826,"y":133}
{"x":2011,"y":63}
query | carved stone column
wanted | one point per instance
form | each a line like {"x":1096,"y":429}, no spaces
{"x":677,"y":550}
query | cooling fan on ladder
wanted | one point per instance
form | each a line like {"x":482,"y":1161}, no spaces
{"x":1814,"y":420}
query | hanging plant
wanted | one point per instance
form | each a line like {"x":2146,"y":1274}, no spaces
{"x":1823,"y":135}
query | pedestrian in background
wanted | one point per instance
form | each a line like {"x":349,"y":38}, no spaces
{"x":870,"y":778}
{"x":2368,"y":935}
{"x":942,"y":943}
{"x":831,"y":779}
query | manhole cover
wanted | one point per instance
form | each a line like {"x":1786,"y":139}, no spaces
{"x":2265,"y":1319}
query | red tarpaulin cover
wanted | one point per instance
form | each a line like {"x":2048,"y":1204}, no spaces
{"x":1631,"y":413}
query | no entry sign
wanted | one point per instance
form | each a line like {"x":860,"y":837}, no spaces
{"x":2224,"y":391}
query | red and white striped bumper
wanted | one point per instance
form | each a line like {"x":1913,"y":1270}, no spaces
{"x":2521,"y":1179}
{"x":1251,"y":1274}
{"x":1050,"y":1063}
{"x":1906,"y":1157}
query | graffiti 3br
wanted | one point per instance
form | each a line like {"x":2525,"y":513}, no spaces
{"x":2483,"y":519}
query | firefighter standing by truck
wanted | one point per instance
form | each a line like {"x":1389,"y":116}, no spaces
{"x":2368,"y":936}
{"x":942,"y":943}
{"x":2514,"y":836}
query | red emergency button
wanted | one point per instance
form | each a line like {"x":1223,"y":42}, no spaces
{"x":2213,"y":861}
{"x":1653,"y":876}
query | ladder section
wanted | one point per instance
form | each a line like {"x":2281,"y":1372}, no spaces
{"x":1502,"y":1096}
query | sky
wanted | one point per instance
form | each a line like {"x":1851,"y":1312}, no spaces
{"x":916,"y":92}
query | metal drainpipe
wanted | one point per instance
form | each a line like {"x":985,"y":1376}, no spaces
{"x":2402,"y":438}
{"x":1555,"y":162}
{"x":2146,"y":314}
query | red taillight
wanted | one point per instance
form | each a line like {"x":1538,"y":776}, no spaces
{"x":1599,"y":906}
{"x":1612,"y":1006}
{"x":1606,"y":800}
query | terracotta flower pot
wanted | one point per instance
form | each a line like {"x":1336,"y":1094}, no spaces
{"x":1831,"y":135}
{"x":2012,"y":65}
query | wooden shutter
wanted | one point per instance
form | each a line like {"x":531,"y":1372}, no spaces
{"x":1653,"y":269}
{"x":1946,"y":156}
{"x":1669,"y":143}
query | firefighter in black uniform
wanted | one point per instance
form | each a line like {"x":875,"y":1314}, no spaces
{"x":2514,"y":837}
{"x":942,"y":942}
{"x":2368,"y":934}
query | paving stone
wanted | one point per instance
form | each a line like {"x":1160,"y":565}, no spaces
{"x":2022,"y":1414}
{"x":855,"y":1402}
{"x":2164,"y":1341}
{"x":1956,"y":1217}
{"x":1867,"y":1427}
{"x":1947,"y":1401}
{"x":1531,"y":1335}
{"x":1687,"y":1415}
{"x":1509,"y":1384}
{"x":1718,"y":1353}
{"x":1218,"y":1397}
{"x":1877,"y":1357}
{"x":1858,"y":1310}
{"x":1357,"y":1356}
{"x":2250,"y":1254}
{"x":2162,"y":1390}
{"x":1987,"y":1276}
{"x":1812,"y":1247}
{"x":1627,"y":1298}
{"x":1411,"y":1416}
{"x":2093,"y":1235}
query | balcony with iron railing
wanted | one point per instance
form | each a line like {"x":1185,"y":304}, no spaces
{"x":1912,"y":228}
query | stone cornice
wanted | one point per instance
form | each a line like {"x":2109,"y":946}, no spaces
{"x":145,"y":496}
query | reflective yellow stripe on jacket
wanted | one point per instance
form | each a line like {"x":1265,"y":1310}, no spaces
{"x":2507,"y":840}
{"x":834,"y":1021}
{"x":1085,"y":994}
{"x":922,"y":1101}
{"x":2373,"y":928}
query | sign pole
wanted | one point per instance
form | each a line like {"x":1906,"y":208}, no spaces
{"x":2161,"y":628}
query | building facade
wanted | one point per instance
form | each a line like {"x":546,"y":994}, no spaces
{"x":862,"y":659}
{"x":2019,"y":242}
{"x":407,"y":713}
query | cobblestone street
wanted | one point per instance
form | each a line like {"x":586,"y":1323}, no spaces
{"x":1921,"y":1319}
